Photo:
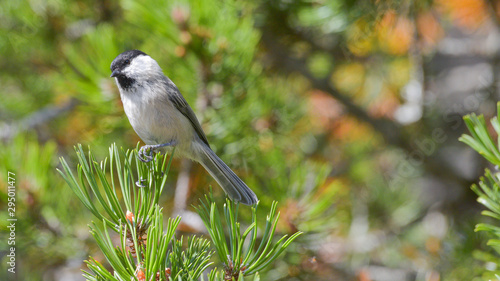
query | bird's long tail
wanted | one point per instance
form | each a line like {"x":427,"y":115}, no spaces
{"x":234,"y":187}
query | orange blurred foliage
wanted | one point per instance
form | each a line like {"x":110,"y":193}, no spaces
{"x":180,"y":51}
{"x":433,"y":245}
{"x":410,"y":251}
{"x":384,"y":105}
{"x":395,"y":33}
{"x":349,"y":129}
{"x":429,"y":29}
{"x":469,"y":14}
{"x":364,"y":275}
{"x":323,"y":109}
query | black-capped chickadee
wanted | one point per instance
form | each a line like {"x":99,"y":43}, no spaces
{"x":162,"y":118}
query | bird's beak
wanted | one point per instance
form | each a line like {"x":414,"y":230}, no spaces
{"x":115,"y":73}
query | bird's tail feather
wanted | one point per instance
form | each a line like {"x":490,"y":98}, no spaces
{"x":234,"y":187}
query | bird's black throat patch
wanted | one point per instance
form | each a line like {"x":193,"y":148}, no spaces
{"x":125,"y":82}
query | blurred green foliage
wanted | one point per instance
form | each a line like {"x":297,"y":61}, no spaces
{"x":297,"y":97}
{"x":49,"y":220}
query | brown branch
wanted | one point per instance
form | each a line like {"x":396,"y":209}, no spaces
{"x":44,"y":115}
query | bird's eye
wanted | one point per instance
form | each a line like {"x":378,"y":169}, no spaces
{"x":127,"y":61}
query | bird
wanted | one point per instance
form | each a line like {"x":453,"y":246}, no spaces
{"x":163,"y":119}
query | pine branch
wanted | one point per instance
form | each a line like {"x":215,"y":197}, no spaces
{"x":239,"y":260}
{"x":488,"y":189}
{"x":123,"y":195}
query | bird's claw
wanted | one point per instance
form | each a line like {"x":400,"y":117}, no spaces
{"x":143,"y":154}
{"x":139,"y":182}
{"x":146,"y":157}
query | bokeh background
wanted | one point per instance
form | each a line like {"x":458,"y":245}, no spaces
{"x":347,"y":112}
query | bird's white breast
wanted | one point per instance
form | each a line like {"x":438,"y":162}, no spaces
{"x":155,"y":119}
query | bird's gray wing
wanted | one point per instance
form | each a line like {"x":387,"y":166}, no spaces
{"x":181,"y":104}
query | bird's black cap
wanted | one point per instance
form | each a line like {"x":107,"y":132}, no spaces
{"x":123,"y":59}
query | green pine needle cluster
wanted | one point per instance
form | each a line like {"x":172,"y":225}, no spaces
{"x":123,"y":194}
{"x":234,"y":255}
{"x":488,"y":189}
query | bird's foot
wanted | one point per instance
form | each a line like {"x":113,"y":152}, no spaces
{"x":143,"y":154}
{"x":146,"y":156}
{"x":139,"y":183}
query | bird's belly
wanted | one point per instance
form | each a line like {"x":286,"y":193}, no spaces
{"x":160,"y":123}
